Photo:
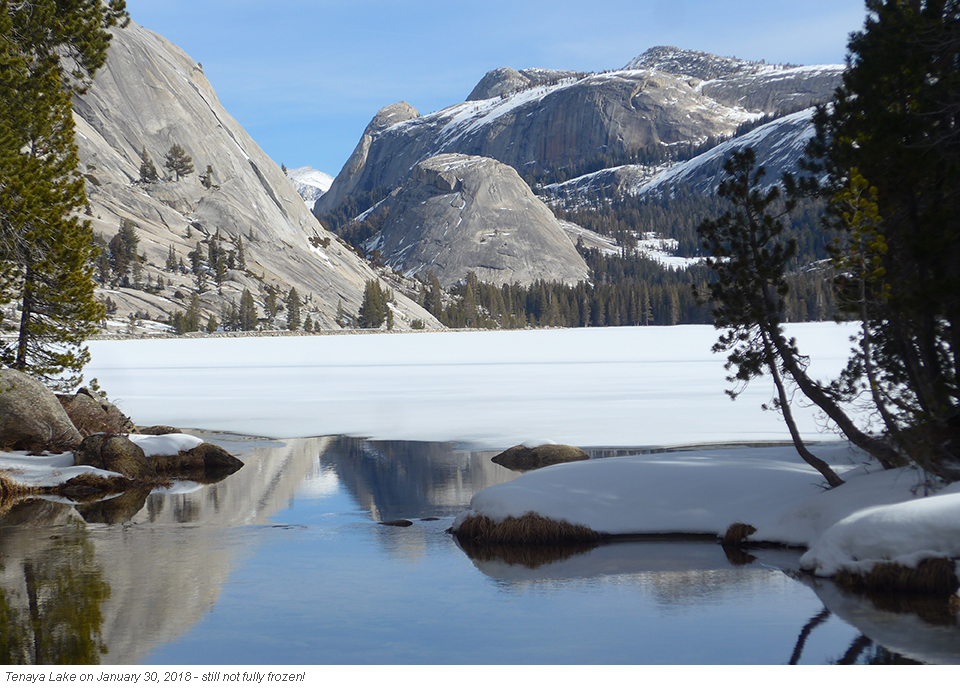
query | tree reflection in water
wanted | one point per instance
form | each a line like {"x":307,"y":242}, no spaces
{"x":51,"y":603}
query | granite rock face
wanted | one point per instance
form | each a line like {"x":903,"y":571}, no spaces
{"x":151,"y":95}
{"x":541,"y":127}
{"x":455,"y":214}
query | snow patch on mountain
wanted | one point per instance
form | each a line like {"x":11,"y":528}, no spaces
{"x":778,"y":145}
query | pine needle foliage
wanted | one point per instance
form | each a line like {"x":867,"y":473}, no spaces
{"x":49,"y":49}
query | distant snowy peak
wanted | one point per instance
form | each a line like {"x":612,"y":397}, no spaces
{"x":310,"y":183}
{"x":694,"y":63}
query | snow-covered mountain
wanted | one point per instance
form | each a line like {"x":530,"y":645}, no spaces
{"x":778,"y":145}
{"x":544,"y":120}
{"x":540,"y":121}
{"x":310,"y":183}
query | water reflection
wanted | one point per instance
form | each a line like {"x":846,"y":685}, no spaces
{"x":394,"y":480}
{"x":52,"y":594}
{"x":185,"y":572}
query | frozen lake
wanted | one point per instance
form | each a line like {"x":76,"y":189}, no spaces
{"x":627,"y":386}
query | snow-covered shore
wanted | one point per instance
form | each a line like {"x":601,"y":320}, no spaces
{"x":875,"y":516}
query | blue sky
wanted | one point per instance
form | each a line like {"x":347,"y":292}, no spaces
{"x":304,"y":77}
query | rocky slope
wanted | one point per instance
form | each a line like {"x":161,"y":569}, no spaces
{"x":756,"y":87}
{"x":456,"y":213}
{"x":150,"y":96}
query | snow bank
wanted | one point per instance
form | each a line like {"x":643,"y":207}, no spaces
{"x":904,"y":533}
{"x":48,"y":470}
{"x":873,"y":517}
{"x":689,"y":492}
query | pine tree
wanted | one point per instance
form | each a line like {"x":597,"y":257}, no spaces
{"x":890,"y":149}
{"x":148,"y":171}
{"x":193,"y":314}
{"x":749,"y":256}
{"x":248,"y":311}
{"x":270,"y":302}
{"x":123,"y":250}
{"x":206,"y":179}
{"x":374,"y":310}
{"x":46,"y":254}
{"x":178,"y":162}
{"x":293,"y":310}
{"x":241,"y":260}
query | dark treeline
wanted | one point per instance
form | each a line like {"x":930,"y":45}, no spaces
{"x":626,"y":290}
{"x":676,"y":214}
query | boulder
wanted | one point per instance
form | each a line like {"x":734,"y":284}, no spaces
{"x":115,"y":453}
{"x":206,"y":460}
{"x":157,"y":430}
{"x":91,"y":413}
{"x":31,"y":417}
{"x":523,"y":458}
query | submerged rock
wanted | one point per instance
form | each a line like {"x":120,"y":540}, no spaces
{"x":524,"y":458}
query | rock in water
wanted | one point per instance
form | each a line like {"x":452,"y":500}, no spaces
{"x":115,"y":453}
{"x":523,"y":458}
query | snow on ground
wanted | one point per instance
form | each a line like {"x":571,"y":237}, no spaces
{"x":635,"y":387}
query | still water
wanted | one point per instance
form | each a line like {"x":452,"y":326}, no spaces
{"x":288,"y":561}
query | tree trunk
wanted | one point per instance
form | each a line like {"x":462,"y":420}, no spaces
{"x":26,"y":318}
{"x":883,"y":452}
{"x":814,"y":461}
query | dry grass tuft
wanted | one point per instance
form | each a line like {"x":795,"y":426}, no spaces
{"x":11,"y":489}
{"x":736,"y":534}
{"x":12,"y":493}
{"x":529,"y":529}
{"x":933,"y":577}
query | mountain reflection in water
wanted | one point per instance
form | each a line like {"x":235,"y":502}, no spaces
{"x":285,"y":562}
